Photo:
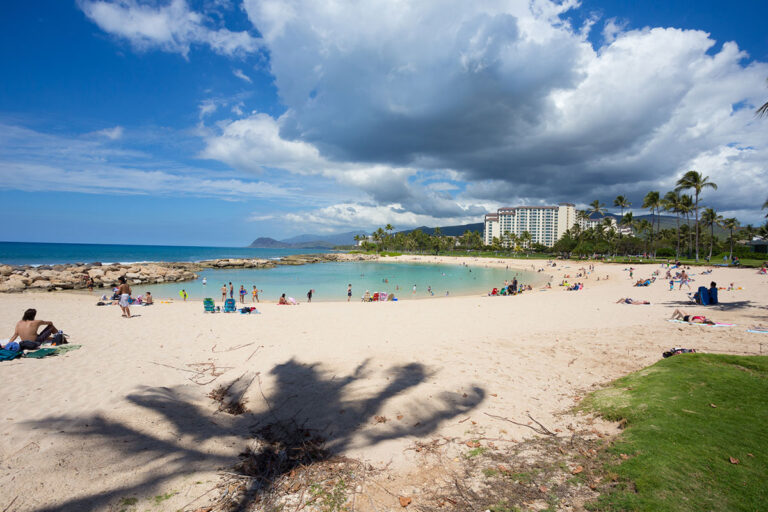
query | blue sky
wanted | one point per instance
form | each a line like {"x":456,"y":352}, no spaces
{"x":212,"y":122}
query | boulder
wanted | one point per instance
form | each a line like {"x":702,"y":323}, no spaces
{"x":41,"y":283}
{"x":6,"y":270}
{"x":132,"y":275}
{"x":11,"y":286}
{"x":96,"y":273}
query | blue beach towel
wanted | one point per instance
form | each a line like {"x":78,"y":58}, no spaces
{"x":8,"y":355}
{"x":713,"y":296}
{"x":702,"y":296}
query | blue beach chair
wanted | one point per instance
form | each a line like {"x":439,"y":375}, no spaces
{"x":229,"y":306}
{"x":209,"y":306}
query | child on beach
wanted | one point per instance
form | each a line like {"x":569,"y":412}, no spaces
{"x":255,"y":294}
{"x":242,"y":294}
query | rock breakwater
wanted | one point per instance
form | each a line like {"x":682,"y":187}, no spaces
{"x":18,"y":278}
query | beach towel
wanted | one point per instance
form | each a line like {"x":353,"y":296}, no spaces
{"x":8,"y":355}
{"x":43,"y":352}
{"x":759,"y":331}
{"x":716,"y":324}
{"x":66,"y":348}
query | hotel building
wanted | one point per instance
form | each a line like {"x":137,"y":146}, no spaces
{"x":546,"y":224}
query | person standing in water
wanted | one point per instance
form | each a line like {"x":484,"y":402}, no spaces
{"x":309,"y":296}
{"x":255,"y":294}
{"x":205,"y":281}
{"x":223,"y":292}
{"x":231,"y":291}
{"x":349,"y":292}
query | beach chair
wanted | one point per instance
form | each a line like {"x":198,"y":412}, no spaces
{"x":702,"y":296}
{"x":230,"y":306}
{"x":713,"y":296}
{"x":209,"y":306}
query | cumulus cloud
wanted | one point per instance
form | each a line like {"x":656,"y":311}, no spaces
{"x":172,"y":27}
{"x":510,"y":98}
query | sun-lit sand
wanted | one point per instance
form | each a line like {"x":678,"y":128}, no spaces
{"x":127,"y":415}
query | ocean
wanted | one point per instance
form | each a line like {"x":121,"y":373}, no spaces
{"x":328,"y":281}
{"x":23,"y":253}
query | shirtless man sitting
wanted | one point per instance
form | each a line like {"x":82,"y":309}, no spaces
{"x":27,"y":327}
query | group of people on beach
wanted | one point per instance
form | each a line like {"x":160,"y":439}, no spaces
{"x":242,"y":292}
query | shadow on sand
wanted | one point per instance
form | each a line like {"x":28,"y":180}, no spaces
{"x":335,"y":412}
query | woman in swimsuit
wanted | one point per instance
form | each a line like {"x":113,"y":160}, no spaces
{"x":691,"y":319}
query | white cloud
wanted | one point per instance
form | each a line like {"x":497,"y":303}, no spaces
{"x":505,"y":94}
{"x":34,"y":161}
{"x":111,"y":133}
{"x":172,"y":27}
{"x":242,"y":76}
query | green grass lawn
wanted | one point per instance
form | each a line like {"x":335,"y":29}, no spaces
{"x":686,"y":417}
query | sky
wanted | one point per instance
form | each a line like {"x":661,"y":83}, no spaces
{"x":214,"y":122}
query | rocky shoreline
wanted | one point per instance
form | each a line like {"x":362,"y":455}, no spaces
{"x":18,"y":278}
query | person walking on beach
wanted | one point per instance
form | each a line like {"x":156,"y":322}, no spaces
{"x":309,"y":296}
{"x":255,"y":294}
{"x":125,"y":297}
{"x":223,"y":292}
{"x":231,"y":291}
{"x":349,"y":292}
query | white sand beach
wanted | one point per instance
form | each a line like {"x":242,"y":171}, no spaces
{"x":127,"y":415}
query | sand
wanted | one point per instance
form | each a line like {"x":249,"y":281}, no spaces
{"x":127,"y":415}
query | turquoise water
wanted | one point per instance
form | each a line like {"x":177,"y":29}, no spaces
{"x":329,"y":281}
{"x":23,"y":253}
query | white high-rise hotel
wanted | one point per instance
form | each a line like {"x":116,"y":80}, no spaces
{"x":546,"y":224}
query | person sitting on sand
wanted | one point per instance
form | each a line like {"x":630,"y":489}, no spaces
{"x":628,"y":300}
{"x":148,"y":301}
{"x":26,"y":329}
{"x":691,"y":319}
{"x":282,"y":301}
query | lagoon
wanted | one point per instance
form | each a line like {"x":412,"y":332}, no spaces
{"x":329,"y":281}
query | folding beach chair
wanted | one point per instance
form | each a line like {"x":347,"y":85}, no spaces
{"x":230,"y":306}
{"x":209,"y":306}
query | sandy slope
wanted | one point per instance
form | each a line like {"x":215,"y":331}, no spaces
{"x":123,"y":416}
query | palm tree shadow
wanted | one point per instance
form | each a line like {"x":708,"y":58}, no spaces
{"x":310,"y":417}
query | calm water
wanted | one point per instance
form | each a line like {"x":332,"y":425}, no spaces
{"x":22,"y":253}
{"x":329,"y":281}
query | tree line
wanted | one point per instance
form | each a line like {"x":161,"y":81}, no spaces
{"x":695,"y":224}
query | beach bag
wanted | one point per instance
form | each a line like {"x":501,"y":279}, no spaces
{"x":59,"y":339}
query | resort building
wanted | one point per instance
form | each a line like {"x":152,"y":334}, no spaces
{"x":546,"y":224}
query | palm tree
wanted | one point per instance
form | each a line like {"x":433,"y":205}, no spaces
{"x":621,"y":202}
{"x":762,"y":111}
{"x":582,"y":217}
{"x":694,"y":180}
{"x":686,"y":207}
{"x":627,"y":220}
{"x":730,"y":224}
{"x":525,"y":239}
{"x":710,"y":218}
{"x":652,"y":201}
{"x":389,"y":228}
{"x":671,"y":203}
{"x":597,"y":208}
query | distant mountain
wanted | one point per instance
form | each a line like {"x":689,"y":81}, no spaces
{"x":450,"y":230}
{"x":271,"y":243}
